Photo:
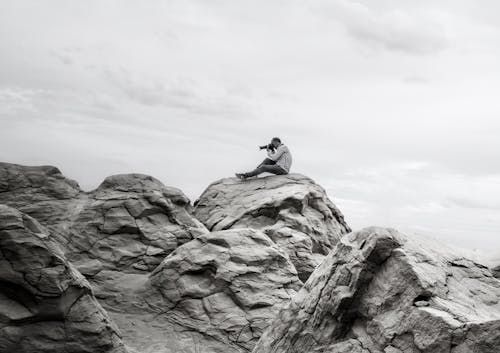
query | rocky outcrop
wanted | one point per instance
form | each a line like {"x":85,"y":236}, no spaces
{"x":129,"y":223}
{"x":171,"y":285}
{"x":115,"y":235}
{"x":291,"y":209}
{"x":215,"y":293}
{"x":45,"y":303}
{"x":379,"y":291}
{"x":226,"y":285}
{"x":41,"y":192}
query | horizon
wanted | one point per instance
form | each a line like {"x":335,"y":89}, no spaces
{"x":391,"y":106}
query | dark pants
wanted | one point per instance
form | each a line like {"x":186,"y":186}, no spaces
{"x":267,"y":165}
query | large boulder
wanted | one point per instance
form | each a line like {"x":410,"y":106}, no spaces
{"x":46,"y":305}
{"x":291,"y":209}
{"x":379,"y":291}
{"x":226,"y":285}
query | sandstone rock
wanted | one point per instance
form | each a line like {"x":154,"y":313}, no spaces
{"x":115,"y":235}
{"x":217,"y":292}
{"x":148,"y":328}
{"x":129,"y":223}
{"x":45,"y":303}
{"x":226,"y":285}
{"x":378,"y":291}
{"x":41,"y":192}
{"x":291,"y":209}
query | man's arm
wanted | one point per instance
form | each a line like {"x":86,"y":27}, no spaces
{"x":276,"y":155}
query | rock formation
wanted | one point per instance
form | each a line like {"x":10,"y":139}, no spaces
{"x":115,"y":235}
{"x":231,"y":283}
{"x":41,"y":192}
{"x":173,"y":286}
{"x":129,"y":223}
{"x":225,"y":284}
{"x":291,"y":209}
{"x":46,"y":305}
{"x":379,"y":291}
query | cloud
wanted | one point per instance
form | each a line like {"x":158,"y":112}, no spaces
{"x":416,"y":80}
{"x":188,"y":95}
{"x":395,"y":29}
{"x":477,"y":203}
{"x":421,"y":197}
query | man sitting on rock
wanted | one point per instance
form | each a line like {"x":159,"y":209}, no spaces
{"x":278,"y":162}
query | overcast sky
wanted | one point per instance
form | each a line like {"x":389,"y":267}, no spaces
{"x":391,"y":105}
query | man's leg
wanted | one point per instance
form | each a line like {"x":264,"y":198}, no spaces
{"x":267,"y":161}
{"x":274,"y":169}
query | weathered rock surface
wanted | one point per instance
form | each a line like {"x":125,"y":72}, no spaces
{"x":378,"y":291}
{"x":129,"y":223}
{"x":171,"y":286}
{"x":41,"y":192}
{"x":226,"y":285}
{"x":115,"y":235}
{"x":496,"y":271}
{"x":494,"y":263}
{"x":291,"y":209}
{"x":46,"y":305}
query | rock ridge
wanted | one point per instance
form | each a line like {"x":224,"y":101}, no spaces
{"x":133,"y":237}
{"x":225,"y":275}
{"x":130,"y":222}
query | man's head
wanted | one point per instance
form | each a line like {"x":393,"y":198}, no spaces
{"x":276,"y":142}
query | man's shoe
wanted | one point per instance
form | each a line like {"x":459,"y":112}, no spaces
{"x":240,"y":176}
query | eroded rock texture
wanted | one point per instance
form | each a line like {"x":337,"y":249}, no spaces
{"x":496,"y":271}
{"x":494,"y":263}
{"x":41,"y":192}
{"x":379,"y":291}
{"x":115,"y":235}
{"x":291,"y":209}
{"x":129,"y":223}
{"x":45,"y":303}
{"x":226,"y":285}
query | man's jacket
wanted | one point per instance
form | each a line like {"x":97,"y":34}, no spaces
{"x":282,"y":157}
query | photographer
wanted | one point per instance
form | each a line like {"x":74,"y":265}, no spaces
{"x":278,"y":162}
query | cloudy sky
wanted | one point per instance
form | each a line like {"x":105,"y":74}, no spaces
{"x":392,"y":105}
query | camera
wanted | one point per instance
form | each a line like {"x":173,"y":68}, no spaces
{"x":267,"y":147}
